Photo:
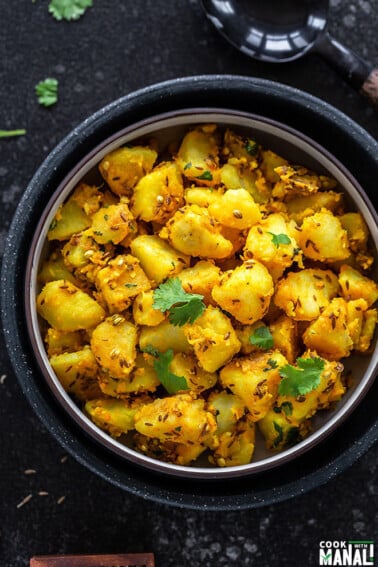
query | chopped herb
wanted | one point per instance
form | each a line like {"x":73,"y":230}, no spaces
{"x":206,"y":175}
{"x":171,"y":382}
{"x":262,"y":338}
{"x":131,"y":285}
{"x":301,"y":379}
{"x":272,"y":363}
{"x":251,"y":147}
{"x":106,"y":217}
{"x":9,"y":133}
{"x":47,"y":92}
{"x":278,"y":239}
{"x":187,"y":165}
{"x":280,"y":436}
{"x":287,"y":408}
{"x":182,"y":307}
{"x":69,"y":9}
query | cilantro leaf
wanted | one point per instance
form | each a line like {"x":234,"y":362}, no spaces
{"x":69,"y":9}
{"x":206,"y":175}
{"x":182,"y":307}
{"x":262,"y":338}
{"x":301,"y":379}
{"x":9,"y":133}
{"x":278,"y":239}
{"x":47,"y":91}
{"x":171,"y":382}
{"x":251,"y":147}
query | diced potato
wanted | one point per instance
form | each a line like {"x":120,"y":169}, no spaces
{"x":158,"y":259}
{"x":355,"y":310}
{"x":163,"y":337}
{"x":242,"y":149}
{"x":197,"y":379}
{"x":234,"y":177}
{"x":168,"y":451}
{"x":112,"y":223}
{"x":200,"y":278}
{"x":236,"y":447}
{"x":254,"y":380}
{"x":194,"y":232}
{"x":66,"y":308}
{"x":179,"y":418}
{"x":328,"y":334}
{"x":270,"y":161}
{"x":143,"y":311}
{"x":58,"y":342}
{"x":284,"y":331}
{"x":120,"y":281}
{"x":367,"y":331}
{"x":89,"y":198}
{"x":77,"y":372}
{"x":198,"y":155}
{"x":304,"y":206}
{"x":263,"y":244}
{"x":245,"y":292}
{"x":201,"y":196}
{"x":357,"y":231}
{"x":159,"y":194}
{"x":113,"y":344}
{"x":142,"y":379}
{"x":83,"y":255}
{"x":213,"y":339}
{"x":303,"y":295}
{"x":54,"y":268}
{"x":114,"y":416}
{"x":227,"y":408}
{"x":279,"y":432}
{"x":244,"y":334}
{"x":297,"y":180}
{"x":122,"y":168}
{"x":236,"y":209}
{"x":68,"y":220}
{"x":323,"y":238}
{"x":354,"y":285}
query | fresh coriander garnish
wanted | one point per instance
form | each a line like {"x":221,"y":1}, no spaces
{"x":278,"y":239}
{"x":182,"y":307}
{"x":69,"y":9}
{"x":280,"y":436}
{"x":251,"y":147}
{"x":47,"y":91}
{"x":171,"y":382}
{"x":10,"y":133}
{"x":262,"y":338}
{"x":206,"y":175}
{"x":301,"y":379}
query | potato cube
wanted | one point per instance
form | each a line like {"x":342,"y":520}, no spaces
{"x":120,"y":281}
{"x":113,"y":344}
{"x":77,"y":372}
{"x":227,"y":408}
{"x":354,"y":285}
{"x":66,"y":308}
{"x":197,"y":379}
{"x":304,"y":206}
{"x":122,"y":168}
{"x":236,"y":447}
{"x":112,"y":223}
{"x":163,"y":337}
{"x":236,"y":209}
{"x":198,"y":155}
{"x":200,"y":278}
{"x":323,"y":238}
{"x":158,"y":259}
{"x":114,"y":416}
{"x":142,"y":379}
{"x":68,"y":220}
{"x":245,"y":292}
{"x":159,"y":194}
{"x":143,"y":311}
{"x":213,"y":339}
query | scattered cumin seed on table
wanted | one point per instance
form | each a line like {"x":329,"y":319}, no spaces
{"x":24,"y":501}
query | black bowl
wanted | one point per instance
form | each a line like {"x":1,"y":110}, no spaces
{"x":352,"y":146}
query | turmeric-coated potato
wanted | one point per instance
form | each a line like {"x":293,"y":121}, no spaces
{"x":77,"y":372}
{"x":200,"y":278}
{"x":143,"y":311}
{"x":355,"y":285}
{"x":245,"y":292}
{"x":113,"y":343}
{"x":198,"y":155}
{"x":323,"y":238}
{"x":236,"y":447}
{"x":236,"y":209}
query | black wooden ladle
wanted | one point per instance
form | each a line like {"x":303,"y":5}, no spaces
{"x":278,"y":31}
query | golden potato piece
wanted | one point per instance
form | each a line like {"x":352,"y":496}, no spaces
{"x":355,"y":285}
{"x":114,"y":416}
{"x":303,"y":295}
{"x":197,"y":379}
{"x":142,"y":379}
{"x":122,"y":168}
{"x":236,"y":447}
{"x":304,"y":206}
{"x":159,"y":194}
{"x":179,"y":418}
{"x":113,"y":344}
{"x":323,"y":238}
{"x":112,"y":223}
{"x":227,"y":408}
{"x":163,"y":337}
{"x":120,"y":281}
{"x":254,"y":379}
{"x":77,"y":372}
{"x":194,"y":232}
{"x":158,"y":259}
{"x":144,"y":312}
{"x":284,"y":331}
{"x":245,"y":292}
{"x":200,"y":278}
{"x":66,"y":308}
{"x":198,"y":155}
{"x":213,"y":339}
{"x":236,"y":209}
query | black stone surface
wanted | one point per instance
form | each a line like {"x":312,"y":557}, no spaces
{"x":117,"y":47}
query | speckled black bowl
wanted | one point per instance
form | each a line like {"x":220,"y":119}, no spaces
{"x":350,"y":145}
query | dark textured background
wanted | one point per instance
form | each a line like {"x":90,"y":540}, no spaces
{"x":117,"y":47}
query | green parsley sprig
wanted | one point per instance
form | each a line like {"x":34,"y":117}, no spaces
{"x":69,"y":9}
{"x":302,"y":378}
{"x":182,"y":307}
{"x":47,"y":91}
{"x":171,"y":382}
{"x":281,"y":238}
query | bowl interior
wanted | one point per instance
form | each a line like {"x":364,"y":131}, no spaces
{"x":166,"y":128}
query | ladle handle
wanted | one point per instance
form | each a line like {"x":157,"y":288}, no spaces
{"x":360,"y":74}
